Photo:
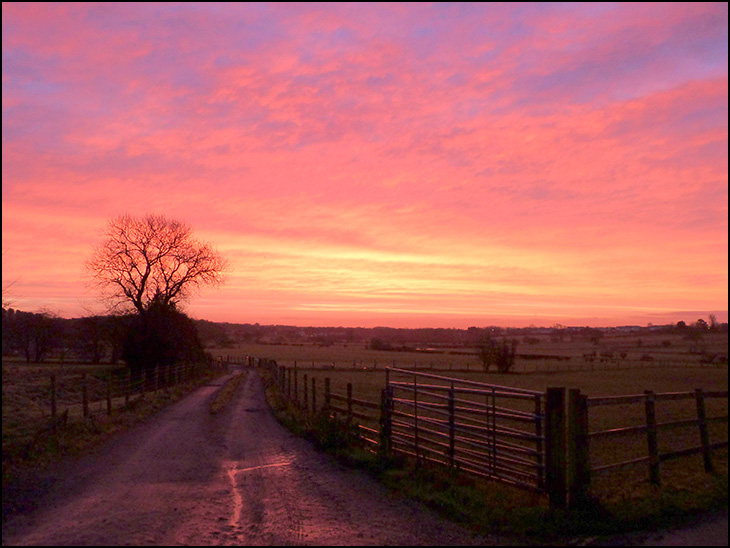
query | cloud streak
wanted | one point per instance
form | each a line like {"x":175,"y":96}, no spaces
{"x":467,"y":162}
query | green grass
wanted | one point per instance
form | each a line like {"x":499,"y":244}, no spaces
{"x":224,"y":395}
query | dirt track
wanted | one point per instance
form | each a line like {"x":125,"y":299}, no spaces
{"x":188,"y":477}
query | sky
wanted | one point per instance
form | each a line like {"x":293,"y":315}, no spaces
{"x":391,"y":164}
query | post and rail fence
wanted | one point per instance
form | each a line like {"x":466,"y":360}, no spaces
{"x":539,"y":441}
{"x":84,"y":394}
{"x":652,"y":427}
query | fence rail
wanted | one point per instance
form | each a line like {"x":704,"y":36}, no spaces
{"x":652,"y":427}
{"x":52,"y":399}
{"x":538,"y":441}
{"x":464,"y":432}
{"x":555,"y":364}
{"x":44,"y":402}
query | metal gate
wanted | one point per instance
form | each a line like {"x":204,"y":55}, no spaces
{"x":491,"y":431}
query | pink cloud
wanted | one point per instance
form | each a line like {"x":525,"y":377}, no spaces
{"x":479,"y":155}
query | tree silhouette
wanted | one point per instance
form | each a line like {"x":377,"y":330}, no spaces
{"x":501,"y":354}
{"x":151,"y":264}
{"x":153,"y":259}
{"x":30,"y":333}
{"x":161,"y":336}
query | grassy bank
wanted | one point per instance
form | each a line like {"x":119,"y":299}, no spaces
{"x":224,"y":395}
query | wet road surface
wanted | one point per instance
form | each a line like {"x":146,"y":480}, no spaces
{"x":236,"y":478}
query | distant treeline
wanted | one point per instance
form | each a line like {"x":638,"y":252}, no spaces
{"x":41,"y":337}
{"x":424,"y":339}
{"x":38,"y":337}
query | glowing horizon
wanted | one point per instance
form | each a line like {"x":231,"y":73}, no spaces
{"x":406,"y":165}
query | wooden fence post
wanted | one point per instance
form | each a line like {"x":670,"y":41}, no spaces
{"x":296,"y":384}
{"x":651,"y":438}
{"x":314,"y":396}
{"x":327,"y":394}
{"x":415,"y":417}
{"x":385,"y":424}
{"x":84,"y":395}
{"x":349,"y":406}
{"x":306,"y":394}
{"x":494,"y":431}
{"x":578,"y":456}
{"x":555,"y":447}
{"x":584,"y":449}
{"x":704,"y":435}
{"x":109,"y":394}
{"x":571,"y":441}
{"x":452,"y":426}
{"x":53,"y":396}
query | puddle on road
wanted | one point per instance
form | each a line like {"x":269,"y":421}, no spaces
{"x":237,"y":500}
{"x":264,"y":466}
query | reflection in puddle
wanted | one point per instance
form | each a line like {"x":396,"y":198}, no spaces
{"x":237,"y":500}
{"x":231,"y":470}
{"x":265,"y":466}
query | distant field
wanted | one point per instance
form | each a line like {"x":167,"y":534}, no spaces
{"x":673,"y":369}
{"x":535,"y":354}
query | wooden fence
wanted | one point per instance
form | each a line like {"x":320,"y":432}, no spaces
{"x":652,"y":428}
{"x":83,"y":393}
{"x":538,"y":441}
{"x":51,"y":399}
{"x":557,"y":364}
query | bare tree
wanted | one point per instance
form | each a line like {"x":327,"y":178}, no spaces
{"x":501,"y":354}
{"x":713,"y":322}
{"x":33,"y":334}
{"x":9,"y":296}
{"x":153,"y":259}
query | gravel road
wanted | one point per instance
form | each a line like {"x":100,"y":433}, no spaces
{"x":236,"y":478}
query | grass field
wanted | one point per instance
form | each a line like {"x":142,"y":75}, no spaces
{"x":615,"y":351}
